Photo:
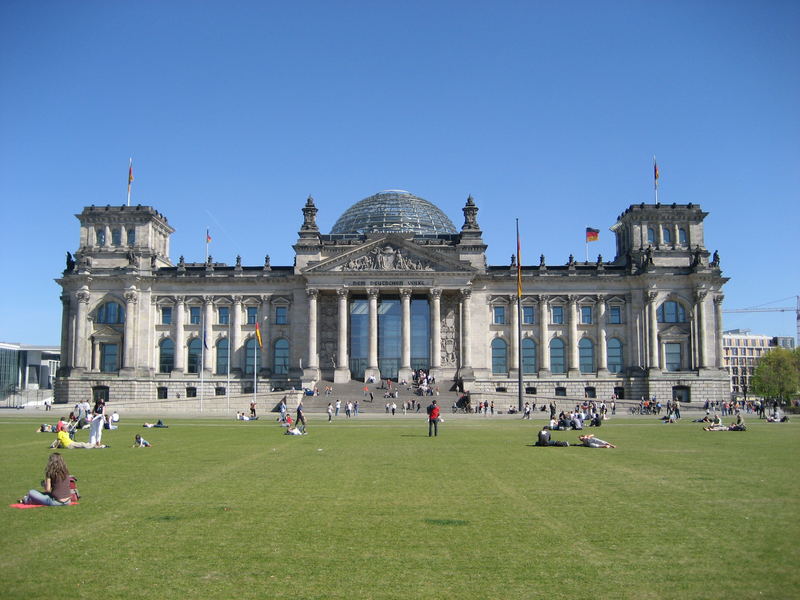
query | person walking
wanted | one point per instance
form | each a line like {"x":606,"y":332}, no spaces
{"x":338,"y":406}
{"x":301,"y":418}
{"x":330,"y":412}
{"x":97,"y":419}
{"x":433,"y":419}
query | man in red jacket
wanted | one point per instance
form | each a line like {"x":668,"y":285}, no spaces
{"x":433,"y":419}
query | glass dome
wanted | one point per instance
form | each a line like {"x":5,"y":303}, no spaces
{"x":394,"y":211}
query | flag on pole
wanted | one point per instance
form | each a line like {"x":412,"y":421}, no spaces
{"x":519,"y":264}
{"x":655,"y":173}
{"x":205,"y":335}
{"x":208,"y":237}
{"x":592,"y":235}
{"x":130,"y":173}
{"x":258,"y":335}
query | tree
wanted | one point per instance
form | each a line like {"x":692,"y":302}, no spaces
{"x":777,"y":374}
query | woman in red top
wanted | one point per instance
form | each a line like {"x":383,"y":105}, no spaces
{"x":433,"y":419}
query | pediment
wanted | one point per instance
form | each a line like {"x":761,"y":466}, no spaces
{"x":674,"y":331}
{"x":390,"y":254}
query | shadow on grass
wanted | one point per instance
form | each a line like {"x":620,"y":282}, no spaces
{"x":446,"y":522}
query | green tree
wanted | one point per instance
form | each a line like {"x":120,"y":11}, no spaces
{"x":777,"y":374}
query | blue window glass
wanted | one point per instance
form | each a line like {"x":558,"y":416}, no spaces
{"x":651,"y":235}
{"x":252,"y":315}
{"x":682,"y":237}
{"x":499,"y":357}
{"x":528,"y":315}
{"x":420,"y":334}
{"x":528,"y":356}
{"x":359,"y":337}
{"x":194,"y":315}
{"x":281,"y":315}
{"x":586,"y":315}
{"x":280,"y":363}
{"x":558,"y":315}
{"x":111,"y":313}
{"x":499,"y":315}
{"x":614,"y":355}
{"x":224,"y":315}
{"x":166,"y":315}
{"x":109,"y":354}
{"x":389,"y":337}
{"x":166,"y":356}
{"x":672,"y":356}
{"x":615,"y":315}
{"x":131,"y":237}
{"x":252,"y":356}
{"x":586,"y":355}
{"x":194,"y":352}
{"x":116,"y":237}
{"x":101,"y":236}
{"x":557,"y":358}
{"x":667,"y":234}
{"x":222,"y":357}
{"x":671,"y":312}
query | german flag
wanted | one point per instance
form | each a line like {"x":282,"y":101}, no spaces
{"x":592,"y":235}
{"x":258,"y":336}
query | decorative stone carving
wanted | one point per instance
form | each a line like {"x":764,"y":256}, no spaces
{"x":309,"y":216}
{"x":132,"y":296}
{"x":449,"y":344}
{"x":386,"y":258}
{"x":715,"y":260}
{"x":238,"y":261}
{"x":267,"y":266}
{"x":405,"y":292}
{"x":373,"y":292}
{"x":470,"y":215}
{"x":70,"y":263}
{"x":312,"y":292}
{"x":83,"y":296}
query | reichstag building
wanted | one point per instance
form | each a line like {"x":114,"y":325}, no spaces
{"x":395,"y":286}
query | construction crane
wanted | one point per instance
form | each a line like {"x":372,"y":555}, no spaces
{"x":796,"y":310}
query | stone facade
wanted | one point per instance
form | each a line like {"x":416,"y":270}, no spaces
{"x":648,"y":322}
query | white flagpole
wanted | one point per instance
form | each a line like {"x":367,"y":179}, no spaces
{"x":228,"y":370}
{"x":586,"y":242}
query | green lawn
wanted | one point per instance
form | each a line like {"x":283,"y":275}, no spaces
{"x":373,"y":508}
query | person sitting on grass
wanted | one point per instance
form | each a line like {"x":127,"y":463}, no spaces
{"x":56,"y":485}
{"x":64,"y":441}
{"x":544,"y":439}
{"x":294,"y":431}
{"x":140,"y":442}
{"x":590,"y":441}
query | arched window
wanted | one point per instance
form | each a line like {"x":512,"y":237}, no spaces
{"x":252,"y":356}
{"x":586,"y":355}
{"x":682,"y":237}
{"x":671,"y":312}
{"x":651,"y":235}
{"x":614,"y":354}
{"x":528,"y":356}
{"x":499,"y":357}
{"x":222,"y":356}
{"x":166,"y":356}
{"x":280,"y":361}
{"x":111,"y":313}
{"x":557,"y":362}
{"x":667,"y":234}
{"x":195,"y":350}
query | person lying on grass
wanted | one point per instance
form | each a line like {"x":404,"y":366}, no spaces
{"x":159,"y":424}
{"x":56,"y":485}
{"x":590,"y":441}
{"x":64,"y":441}
{"x":140,"y":442}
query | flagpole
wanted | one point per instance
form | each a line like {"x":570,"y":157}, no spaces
{"x":130,"y":178}
{"x":202,"y":360}
{"x":655,"y":177}
{"x":519,"y":321}
{"x":228,"y":369}
{"x":255,"y":368}
{"x":586,"y":244}
{"x":206,"y":244}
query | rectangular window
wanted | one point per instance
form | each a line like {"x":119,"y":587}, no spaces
{"x":101,"y":237}
{"x":281,"y":315}
{"x":558,"y":315}
{"x":108,"y":357}
{"x":224,"y":315}
{"x":131,"y":237}
{"x":220,"y":391}
{"x":116,"y":237}
{"x":586,"y":315}
{"x":615,"y":315}
{"x":166,"y":315}
{"x":499,"y":315}
{"x":528,"y":315}
{"x":161,"y":393}
{"x":252,"y":315}
{"x":672,"y":356}
{"x":194,"y":315}
{"x":191,"y":392}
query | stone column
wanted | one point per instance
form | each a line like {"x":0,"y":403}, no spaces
{"x":95,"y":354}
{"x":466,"y":334}
{"x":313,"y":355}
{"x":602,"y":356}
{"x":81,"y":340}
{"x":179,"y":335}
{"x":436,"y":329}
{"x":700,"y":311}
{"x":66,"y":354}
{"x":572,"y":307}
{"x":342,"y":372}
{"x":372,"y":359}
{"x":718,"y":362}
{"x":513,"y":362}
{"x":405,"y":329}
{"x":205,"y":336}
{"x":544,"y":337}
{"x":129,"y":352}
{"x":652,"y":328}
{"x":235,"y":340}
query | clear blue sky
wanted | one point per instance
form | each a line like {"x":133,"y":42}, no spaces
{"x":234,"y":112}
